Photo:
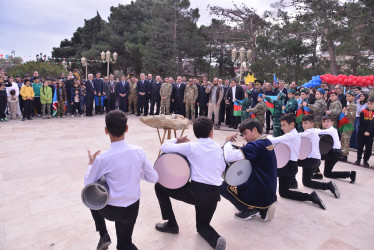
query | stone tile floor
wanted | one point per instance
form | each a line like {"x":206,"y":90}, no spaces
{"x":43,"y":163}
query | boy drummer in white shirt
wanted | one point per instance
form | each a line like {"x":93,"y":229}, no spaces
{"x":207,"y":165}
{"x":123,"y":165}
{"x":312,"y":162}
{"x":287,"y":174}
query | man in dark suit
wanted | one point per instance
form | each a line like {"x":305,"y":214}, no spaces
{"x":123,"y":88}
{"x":251,"y":87}
{"x":178,"y":90}
{"x":90,"y":93}
{"x":282,"y":88}
{"x":155,"y":95}
{"x":203,"y":99}
{"x":197,"y":84}
{"x":143,"y":90}
{"x":268,"y":91}
{"x":111,"y":94}
{"x":341,"y":96}
{"x":225,"y":107}
{"x":234,"y":93}
{"x":100,"y":92}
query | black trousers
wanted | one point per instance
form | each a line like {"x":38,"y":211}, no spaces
{"x":366,"y":141}
{"x":27,"y":108}
{"x":111,"y":103}
{"x":222,"y":112}
{"x":158,"y":103}
{"x":89,"y":105}
{"x":68,"y":104}
{"x":124,"y":218}
{"x":3,"y":103}
{"x":20,"y":103}
{"x":204,"y":197}
{"x":196,"y":110}
{"x":38,"y":105}
{"x":331,"y":158}
{"x":268,"y":114}
{"x":310,"y":165}
{"x":203,"y":109}
{"x":286,"y":176}
{"x":122,"y":103}
{"x":240,"y":206}
{"x":179,"y":107}
{"x":143,"y":104}
{"x":76,"y":107}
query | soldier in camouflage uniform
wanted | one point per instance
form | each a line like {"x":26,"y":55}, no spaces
{"x":165,"y":93}
{"x":191,"y":93}
{"x":350,"y":112}
{"x":291,"y":105}
{"x":277,"y":113}
{"x":318,"y":108}
{"x":246,"y":104}
{"x":133,"y":96}
{"x":335,"y":108}
{"x":259,"y":110}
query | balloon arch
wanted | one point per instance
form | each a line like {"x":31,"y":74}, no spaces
{"x":344,"y":80}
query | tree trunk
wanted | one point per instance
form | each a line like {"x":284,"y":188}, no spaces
{"x":333,"y":65}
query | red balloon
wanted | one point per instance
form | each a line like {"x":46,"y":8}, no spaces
{"x":354,"y":82}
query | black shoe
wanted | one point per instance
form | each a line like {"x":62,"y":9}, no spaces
{"x":137,"y":115}
{"x":235,"y":127}
{"x":29,"y":118}
{"x":231,"y":126}
{"x":23,"y":119}
{"x":317,"y":176}
{"x":334,"y":189}
{"x":104,"y":242}
{"x":316,"y":200}
{"x":267,"y":131}
{"x":353,"y":176}
{"x":343,"y":158}
{"x":358,"y":162}
{"x":246,"y":214}
{"x":163,"y":227}
{"x":366,"y":164}
{"x":221,"y":244}
{"x":268,"y":213}
{"x":293,"y":185}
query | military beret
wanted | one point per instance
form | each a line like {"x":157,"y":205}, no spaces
{"x":291,"y":91}
{"x":321,"y":90}
{"x":351,"y":92}
{"x":260,"y":95}
{"x":306,"y":91}
{"x":333,"y":92}
{"x":281,"y":95}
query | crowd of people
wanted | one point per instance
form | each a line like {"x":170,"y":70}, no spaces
{"x":58,"y":97}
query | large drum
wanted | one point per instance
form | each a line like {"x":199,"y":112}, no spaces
{"x":325,"y":143}
{"x":282,"y":153}
{"x":95,"y":196}
{"x":173,"y":170}
{"x":238,"y":172}
{"x":305,"y":148}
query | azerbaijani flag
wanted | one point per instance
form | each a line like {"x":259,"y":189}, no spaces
{"x":238,"y":108}
{"x":299,"y":112}
{"x":55,"y":104}
{"x":307,"y":110}
{"x":275,"y":80}
{"x":252,"y":115}
{"x":344,"y":124}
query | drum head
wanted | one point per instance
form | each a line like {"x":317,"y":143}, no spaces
{"x":325,"y":144}
{"x":305,"y":148}
{"x":282,"y":152}
{"x":173,"y":170}
{"x":238,"y":173}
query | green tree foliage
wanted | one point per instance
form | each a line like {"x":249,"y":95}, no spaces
{"x":45,"y":69}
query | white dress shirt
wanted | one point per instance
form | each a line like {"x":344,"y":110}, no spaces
{"x":231,"y":154}
{"x":312,"y":134}
{"x":123,"y":165}
{"x":334,"y":133}
{"x":205,"y":157}
{"x":292,"y":140}
{"x":233,"y":89}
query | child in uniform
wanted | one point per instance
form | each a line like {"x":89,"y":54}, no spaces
{"x":350,"y":113}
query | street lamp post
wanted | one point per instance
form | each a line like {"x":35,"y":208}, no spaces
{"x":105,"y":58}
{"x":242,"y":52}
{"x":85,"y":64}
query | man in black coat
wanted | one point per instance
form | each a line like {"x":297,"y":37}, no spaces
{"x":234,"y":93}
{"x":143,"y":89}
{"x":282,"y":88}
{"x":224,"y":109}
{"x":100,"y":92}
{"x":111,"y":94}
{"x":203,"y":99}
{"x":155,"y":95}
{"x":178,"y":90}
{"x":123,"y":89}
{"x":68,"y":86}
{"x":341,"y":96}
{"x":90,"y":93}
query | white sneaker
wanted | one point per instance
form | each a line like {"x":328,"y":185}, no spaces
{"x":72,"y":115}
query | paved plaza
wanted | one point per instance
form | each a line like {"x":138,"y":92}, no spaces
{"x":43,"y":163}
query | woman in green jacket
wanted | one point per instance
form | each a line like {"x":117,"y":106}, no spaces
{"x":46,"y":99}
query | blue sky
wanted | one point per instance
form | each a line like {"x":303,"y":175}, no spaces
{"x":33,"y":26}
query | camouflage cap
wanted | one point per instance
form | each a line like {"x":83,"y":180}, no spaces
{"x":291,"y":91}
{"x":351,"y":92}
